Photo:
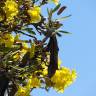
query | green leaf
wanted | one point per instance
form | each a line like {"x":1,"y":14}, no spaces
{"x":63,"y":18}
{"x":48,"y":11}
{"x":7,"y":49}
{"x":58,"y":34}
{"x":32,"y":51}
{"x":30,"y":30}
{"x":65,"y":32}
{"x":56,"y":8}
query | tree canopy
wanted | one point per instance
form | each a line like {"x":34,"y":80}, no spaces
{"x":27,"y":62}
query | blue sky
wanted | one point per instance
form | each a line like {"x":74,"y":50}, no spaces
{"x":78,"y":50}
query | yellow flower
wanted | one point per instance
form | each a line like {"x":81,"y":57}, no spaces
{"x":25,"y":48}
{"x":74,"y":74}
{"x":34,"y":14}
{"x":16,"y":56}
{"x":23,"y":91}
{"x":11,"y":9}
{"x":22,"y":52}
{"x":33,"y":81}
{"x":7,"y":39}
{"x":63,"y":78}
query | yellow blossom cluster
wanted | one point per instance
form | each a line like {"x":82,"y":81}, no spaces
{"x":34,"y":14}
{"x":7,"y":39}
{"x":11,"y":9}
{"x":63,"y":78}
{"x":33,"y":82}
{"x":22,"y":91}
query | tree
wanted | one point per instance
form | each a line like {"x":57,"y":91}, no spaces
{"x":27,"y":63}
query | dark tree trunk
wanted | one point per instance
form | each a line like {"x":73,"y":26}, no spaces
{"x":3,"y":83}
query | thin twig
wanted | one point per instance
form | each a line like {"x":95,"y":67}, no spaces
{"x":26,"y":34}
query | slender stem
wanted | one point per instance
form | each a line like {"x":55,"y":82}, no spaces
{"x":26,"y":34}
